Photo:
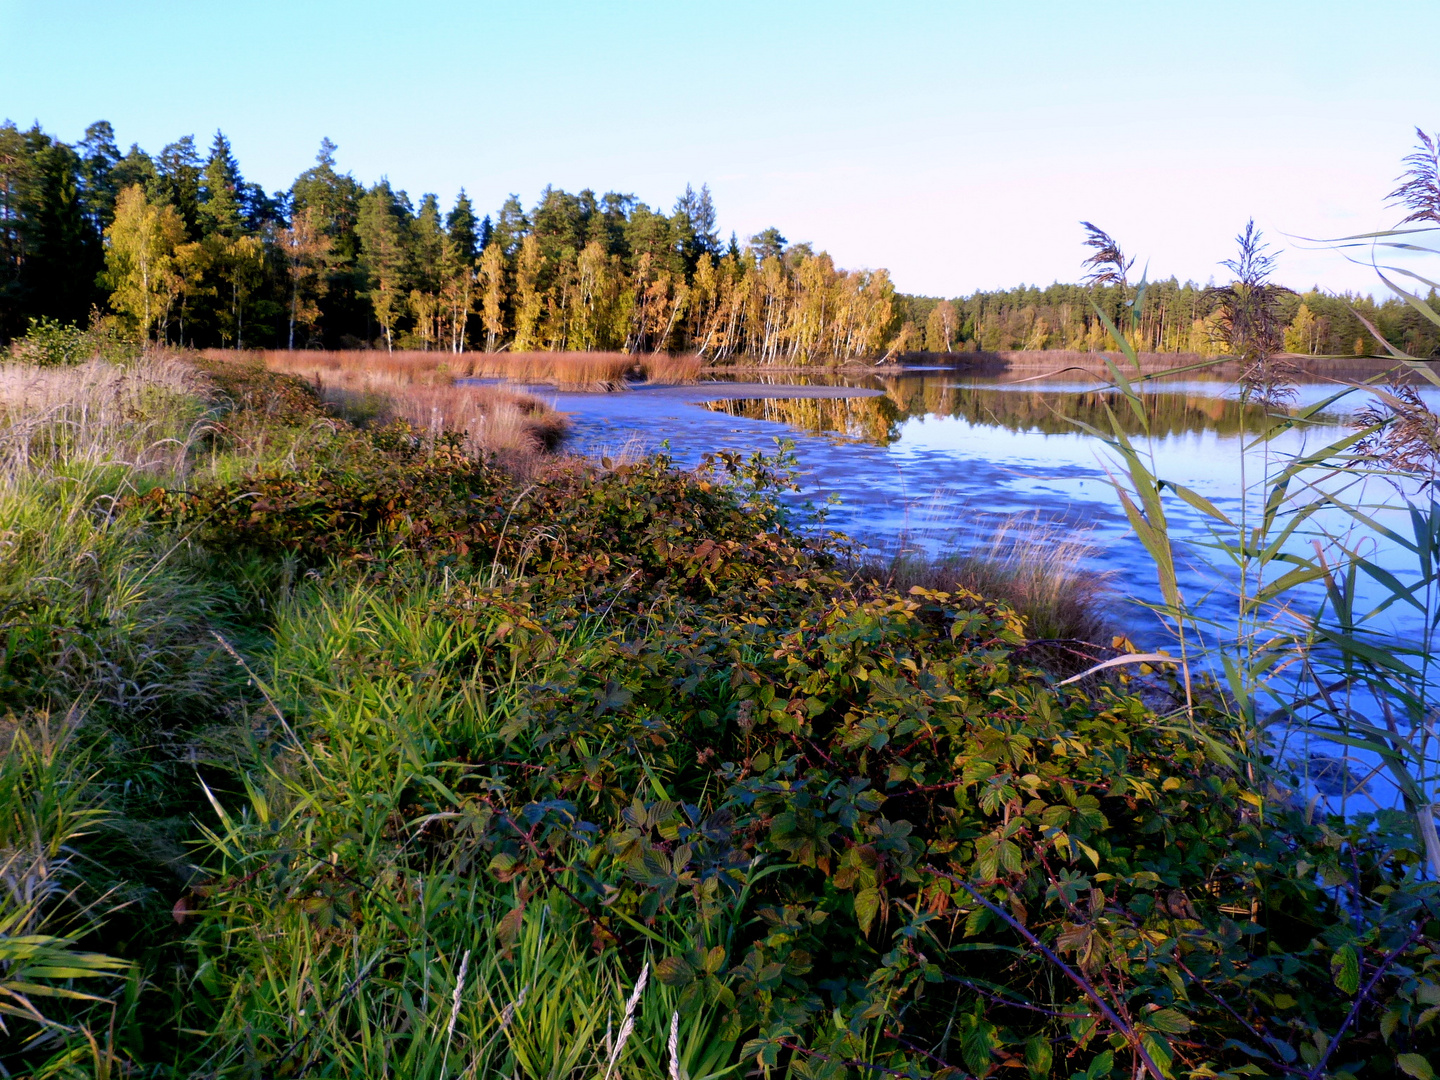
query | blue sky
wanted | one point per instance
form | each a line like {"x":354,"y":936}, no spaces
{"x":957,"y":144}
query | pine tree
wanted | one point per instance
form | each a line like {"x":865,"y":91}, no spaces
{"x":382,"y":245}
{"x":766,"y":245}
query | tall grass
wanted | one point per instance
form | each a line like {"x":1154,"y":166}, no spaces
{"x":563,"y":370}
{"x":1041,"y":570}
{"x":1310,"y":663}
{"x":144,"y":418}
{"x":93,"y":604}
{"x":376,"y":387}
{"x":356,"y":928}
{"x":49,"y":803}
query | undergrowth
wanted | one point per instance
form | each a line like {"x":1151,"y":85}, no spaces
{"x":447,"y":772}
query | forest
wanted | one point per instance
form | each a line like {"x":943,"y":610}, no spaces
{"x":1172,"y":318}
{"x":188,"y":252}
{"x":354,"y":724}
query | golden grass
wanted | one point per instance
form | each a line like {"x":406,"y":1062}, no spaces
{"x":567,"y":371}
{"x":375,"y":387}
{"x":563,"y":370}
{"x":580,"y":370}
{"x":145,"y":415}
{"x":664,"y":368}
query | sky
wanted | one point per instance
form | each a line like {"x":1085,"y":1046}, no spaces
{"x":957,"y":145}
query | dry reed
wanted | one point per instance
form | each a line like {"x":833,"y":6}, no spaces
{"x":418,"y":387}
{"x":563,"y":370}
{"x":1040,"y":570}
{"x":145,"y":415}
{"x":581,"y":370}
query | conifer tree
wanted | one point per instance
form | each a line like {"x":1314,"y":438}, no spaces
{"x":177,"y":181}
{"x":382,"y":247}
{"x":99,"y":157}
{"x":64,"y":251}
{"x":511,"y":226}
{"x":460,"y":225}
{"x":220,"y":210}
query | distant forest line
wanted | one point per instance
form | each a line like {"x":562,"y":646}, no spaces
{"x":1174,"y":318}
{"x":184,"y":250}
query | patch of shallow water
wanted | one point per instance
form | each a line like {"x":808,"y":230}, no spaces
{"x":935,"y":459}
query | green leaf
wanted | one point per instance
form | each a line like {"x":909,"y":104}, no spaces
{"x":1038,"y":1057}
{"x":1346,"y":969}
{"x":1415,"y":1065}
{"x":1101,"y":1066}
{"x":867,"y":903}
{"x":674,"y":971}
{"x":1170,"y":1021}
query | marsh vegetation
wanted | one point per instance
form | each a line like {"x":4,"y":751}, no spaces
{"x":351,"y":730}
{"x":338,"y":750}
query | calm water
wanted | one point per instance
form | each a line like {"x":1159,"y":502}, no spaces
{"x":935,"y":459}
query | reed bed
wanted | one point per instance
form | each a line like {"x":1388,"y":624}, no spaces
{"x":580,"y":370}
{"x":144,"y":416}
{"x":570,"y":371}
{"x":491,"y":418}
{"x":594,"y":371}
{"x":418,"y":387}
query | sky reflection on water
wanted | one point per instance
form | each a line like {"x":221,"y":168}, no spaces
{"x":936,"y":458}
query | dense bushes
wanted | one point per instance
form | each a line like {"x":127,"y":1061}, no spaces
{"x":511,"y":744}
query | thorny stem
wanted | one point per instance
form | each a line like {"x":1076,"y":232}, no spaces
{"x":1085,"y":985}
{"x":554,"y":872}
{"x":1360,"y":998}
{"x":854,"y":1063}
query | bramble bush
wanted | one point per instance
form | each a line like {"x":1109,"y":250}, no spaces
{"x":510,"y":743}
{"x":858,"y":826}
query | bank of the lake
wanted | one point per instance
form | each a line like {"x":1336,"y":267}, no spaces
{"x":347,"y":751}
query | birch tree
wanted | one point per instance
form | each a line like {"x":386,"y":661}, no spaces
{"x":306,"y":248}
{"x":140,"y":258}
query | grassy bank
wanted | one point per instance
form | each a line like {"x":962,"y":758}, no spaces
{"x":340,"y":750}
{"x":398,"y":372}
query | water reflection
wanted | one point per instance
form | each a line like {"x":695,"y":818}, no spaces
{"x":1041,"y":408}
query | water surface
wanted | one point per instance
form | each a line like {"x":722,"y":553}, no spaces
{"x":935,"y":459}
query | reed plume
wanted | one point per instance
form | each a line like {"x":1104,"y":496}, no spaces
{"x":627,"y":1022}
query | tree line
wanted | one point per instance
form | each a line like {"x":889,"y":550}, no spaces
{"x":1173,"y":317}
{"x":186,"y":251}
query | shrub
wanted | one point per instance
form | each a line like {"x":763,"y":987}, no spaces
{"x":49,"y":343}
{"x":848,"y":825}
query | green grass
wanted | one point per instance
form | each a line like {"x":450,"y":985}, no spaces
{"x":379,"y":761}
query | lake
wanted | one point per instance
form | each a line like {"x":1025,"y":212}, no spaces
{"x":935,"y":458}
